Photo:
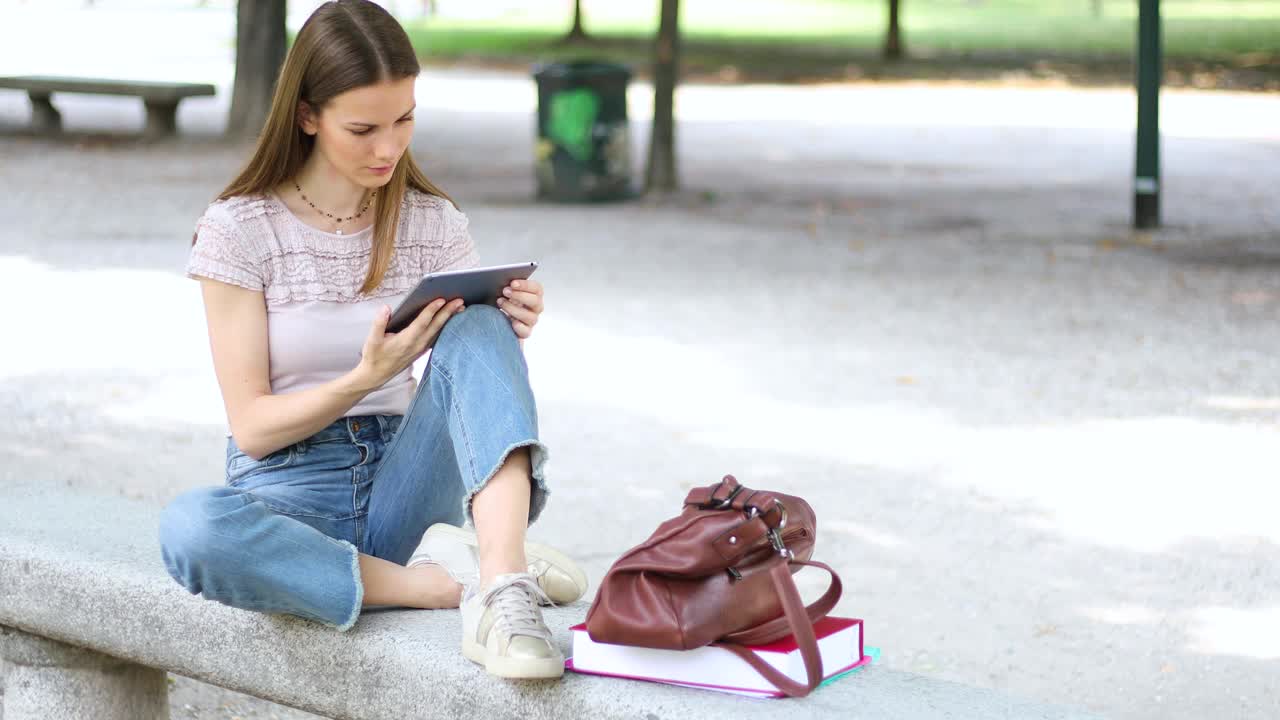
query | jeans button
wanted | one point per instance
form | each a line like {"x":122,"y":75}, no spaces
{"x":355,"y":427}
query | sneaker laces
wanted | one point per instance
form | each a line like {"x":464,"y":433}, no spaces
{"x":515,"y":599}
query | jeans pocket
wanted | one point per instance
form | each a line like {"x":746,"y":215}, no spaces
{"x":241,"y":467}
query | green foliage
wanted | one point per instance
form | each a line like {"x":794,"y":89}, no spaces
{"x":1193,"y":28}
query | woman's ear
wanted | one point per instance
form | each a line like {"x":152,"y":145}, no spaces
{"x":307,"y":119}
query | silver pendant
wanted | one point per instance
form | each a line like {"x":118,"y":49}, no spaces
{"x":338,"y":231}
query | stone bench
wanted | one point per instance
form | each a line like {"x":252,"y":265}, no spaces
{"x":90,"y":622}
{"x":160,"y":98}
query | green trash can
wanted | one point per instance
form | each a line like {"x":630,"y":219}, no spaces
{"x":583,"y":151}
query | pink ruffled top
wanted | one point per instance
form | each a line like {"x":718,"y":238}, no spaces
{"x":317,"y":321}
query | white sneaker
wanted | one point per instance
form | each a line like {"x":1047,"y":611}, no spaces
{"x":454,"y":548}
{"x":503,"y":629}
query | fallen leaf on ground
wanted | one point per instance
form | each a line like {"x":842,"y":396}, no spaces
{"x":1250,"y":297}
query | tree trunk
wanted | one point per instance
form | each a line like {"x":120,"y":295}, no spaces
{"x":260,"y":49}
{"x":661,"y":171}
{"x":893,"y":39}
{"x":577,"y":32}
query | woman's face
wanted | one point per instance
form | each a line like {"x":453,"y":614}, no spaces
{"x":363,"y":132}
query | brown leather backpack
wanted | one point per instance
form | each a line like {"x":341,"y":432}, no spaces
{"x":720,"y":574}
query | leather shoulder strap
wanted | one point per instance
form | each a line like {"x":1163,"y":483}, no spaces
{"x":795,"y":615}
{"x":771,"y":630}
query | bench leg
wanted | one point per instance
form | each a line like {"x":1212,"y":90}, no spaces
{"x":45,"y":118}
{"x":162,"y":119}
{"x":48,"y":680}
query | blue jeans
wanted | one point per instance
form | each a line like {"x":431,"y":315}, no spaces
{"x":284,"y":535}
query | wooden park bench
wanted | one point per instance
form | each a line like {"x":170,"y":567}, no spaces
{"x":160,"y":98}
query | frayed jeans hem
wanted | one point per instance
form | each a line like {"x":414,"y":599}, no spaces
{"x":538,"y":490}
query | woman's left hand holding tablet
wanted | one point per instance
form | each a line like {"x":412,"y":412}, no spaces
{"x":522,"y":302}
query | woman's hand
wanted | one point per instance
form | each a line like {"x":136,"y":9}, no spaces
{"x":386,"y":354}
{"x":522,"y":302}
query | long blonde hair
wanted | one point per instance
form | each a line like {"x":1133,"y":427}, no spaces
{"x":345,"y":44}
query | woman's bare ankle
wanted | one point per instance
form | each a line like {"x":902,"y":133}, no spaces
{"x":486,"y":579}
{"x":439,"y":589}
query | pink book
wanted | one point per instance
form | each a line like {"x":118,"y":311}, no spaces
{"x":711,"y":668}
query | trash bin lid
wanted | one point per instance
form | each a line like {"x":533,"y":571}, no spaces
{"x":580,"y":69}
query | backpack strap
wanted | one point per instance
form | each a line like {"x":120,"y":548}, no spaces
{"x":779,"y":627}
{"x":796,"y":619}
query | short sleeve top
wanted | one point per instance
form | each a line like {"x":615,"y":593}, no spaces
{"x":317,"y":320}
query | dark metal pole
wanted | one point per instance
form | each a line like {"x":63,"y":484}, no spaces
{"x":1146,"y":180}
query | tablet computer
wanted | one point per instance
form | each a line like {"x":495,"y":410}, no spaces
{"x":475,"y":286}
